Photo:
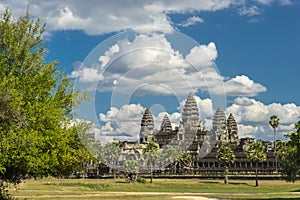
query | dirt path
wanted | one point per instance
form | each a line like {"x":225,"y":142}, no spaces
{"x":185,"y":196}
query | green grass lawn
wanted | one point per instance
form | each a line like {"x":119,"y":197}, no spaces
{"x":160,"y":189}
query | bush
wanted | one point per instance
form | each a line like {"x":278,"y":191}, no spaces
{"x":141,"y":180}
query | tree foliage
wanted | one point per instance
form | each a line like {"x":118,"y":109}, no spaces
{"x":274,"y":123}
{"x":109,"y":154}
{"x":291,"y":157}
{"x":131,"y":169}
{"x":226,"y":156}
{"x":151,"y":156}
{"x":37,"y":135}
{"x":256,"y":153}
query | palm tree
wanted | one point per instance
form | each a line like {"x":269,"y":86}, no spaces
{"x":151,"y":155}
{"x":225,"y":155}
{"x":256,"y":153}
{"x":274,"y":122}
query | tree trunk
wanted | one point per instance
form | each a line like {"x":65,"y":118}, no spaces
{"x":256,"y":177}
{"x":115,"y":176}
{"x":226,"y":179}
{"x":151,"y":173}
{"x":276,"y":170}
{"x":226,"y":175}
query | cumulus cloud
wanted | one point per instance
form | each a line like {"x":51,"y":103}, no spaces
{"x":86,"y":75}
{"x":243,"y":86}
{"x":203,"y":55}
{"x":100,"y":17}
{"x":124,"y":123}
{"x":121,"y":123}
{"x":148,"y":64}
{"x":191,"y":21}
{"x":253,"y":117}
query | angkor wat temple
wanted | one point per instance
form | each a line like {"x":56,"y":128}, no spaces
{"x":203,"y":144}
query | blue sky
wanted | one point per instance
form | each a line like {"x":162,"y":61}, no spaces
{"x":253,"y":44}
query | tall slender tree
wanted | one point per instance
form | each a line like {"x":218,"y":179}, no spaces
{"x":150,"y":153}
{"x":256,"y":153}
{"x":274,"y":123}
{"x":226,"y":156}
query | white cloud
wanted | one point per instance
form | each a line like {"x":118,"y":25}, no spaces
{"x":243,"y":86}
{"x":253,"y":115}
{"x":148,"y":64}
{"x":191,"y":21}
{"x":120,"y":124}
{"x":100,"y":17}
{"x":265,"y":2}
{"x":86,"y":75}
{"x":203,"y":55}
{"x":249,"y":11}
{"x":286,"y":2}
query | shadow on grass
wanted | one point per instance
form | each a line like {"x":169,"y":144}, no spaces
{"x":122,"y":182}
{"x":238,"y":183}
{"x":296,"y":198}
{"x":209,"y":182}
{"x":296,"y":190}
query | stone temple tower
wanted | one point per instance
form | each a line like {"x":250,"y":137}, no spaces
{"x":190,"y":115}
{"x":220,"y":127}
{"x":166,"y":125}
{"x":232,"y":130}
{"x":147,"y":127}
{"x":190,"y":118}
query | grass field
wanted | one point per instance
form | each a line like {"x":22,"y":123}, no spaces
{"x":73,"y":189}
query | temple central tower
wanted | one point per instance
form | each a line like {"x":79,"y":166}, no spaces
{"x":190,"y":115}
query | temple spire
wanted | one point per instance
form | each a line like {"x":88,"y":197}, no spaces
{"x":232,"y":130}
{"x":220,"y":126}
{"x":190,"y":113}
{"x":166,"y":125}
{"x":147,"y":127}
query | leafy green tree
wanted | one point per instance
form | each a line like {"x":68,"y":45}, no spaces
{"x":37,"y":135}
{"x":131,"y":169}
{"x":226,"y":156}
{"x":274,"y":123}
{"x":150,"y":153}
{"x":186,"y":160}
{"x":291,"y":158}
{"x":173,"y":155}
{"x":256,"y":153}
{"x":109,"y":154}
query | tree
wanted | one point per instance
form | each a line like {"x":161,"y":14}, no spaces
{"x":131,"y":169}
{"x":291,"y":158}
{"x":150,"y":153}
{"x":173,"y":155}
{"x":256,"y":153}
{"x":37,"y":135}
{"x":274,"y":123}
{"x":186,"y":160}
{"x":226,"y":156}
{"x":109,"y":155}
